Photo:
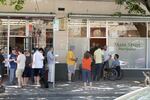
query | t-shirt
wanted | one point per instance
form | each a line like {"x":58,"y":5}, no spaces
{"x":115,"y":63}
{"x":12,"y":63}
{"x":50,"y":57}
{"x":98,"y":54}
{"x":37,"y":60}
{"x":86,"y":64}
{"x":21,"y":59}
{"x":70,"y":56}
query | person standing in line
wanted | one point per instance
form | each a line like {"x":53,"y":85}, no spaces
{"x":71,"y":60}
{"x":106,"y":58}
{"x":12,"y":67}
{"x":21,"y":59}
{"x":28,"y":69}
{"x":37,"y":65}
{"x":2,"y":61}
{"x":98,"y":56}
{"x":86,"y":69}
{"x":51,"y":65}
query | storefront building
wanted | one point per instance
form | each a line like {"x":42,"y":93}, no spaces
{"x":81,"y":28}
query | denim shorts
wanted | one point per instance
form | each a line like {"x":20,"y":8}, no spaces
{"x":71,"y":69}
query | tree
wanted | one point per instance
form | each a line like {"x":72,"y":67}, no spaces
{"x":18,"y":4}
{"x":134,"y":6}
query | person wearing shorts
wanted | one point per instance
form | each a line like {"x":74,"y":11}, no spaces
{"x":71,"y":60}
{"x":20,"y":67}
{"x":37,"y":65}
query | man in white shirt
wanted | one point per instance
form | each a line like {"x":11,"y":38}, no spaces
{"x":37,"y":65}
{"x":98,"y":56}
{"x":51,"y":65}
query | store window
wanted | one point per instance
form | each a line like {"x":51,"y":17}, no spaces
{"x":128,"y":39}
{"x":127,"y":29}
{"x":3,"y":33}
{"x":77,"y":28}
{"x":41,"y":32}
{"x":17,"y":27}
{"x":97,"y":29}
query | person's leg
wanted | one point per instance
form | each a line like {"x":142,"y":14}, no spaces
{"x":100,"y":70}
{"x":35,"y":76}
{"x":118,"y":70}
{"x":11,"y":75}
{"x":49,"y":73}
{"x":52,"y":73}
{"x":84,"y":77}
{"x":69,"y":73}
{"x":39,"y":75}
{"x":19,"y":81}
{"x":89,"y":77}
{"x":25,"y":79}
{"x":22,"y":81}
{"x":95,"y":72}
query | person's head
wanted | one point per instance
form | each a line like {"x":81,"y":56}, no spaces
{"x":41,"y":50}
{"x":51,"y":49}
{"x":13,"y":51}
{"x":116,"y":56}
{"x":71,"y":48}
{"x":20,"y":51}
{"x":86,"y":55}
{"x":105,"y":47}
{"x":27,"y":52}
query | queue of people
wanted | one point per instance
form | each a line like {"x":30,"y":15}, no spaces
{"x":93,"y":64}
{"x":27,"y":67}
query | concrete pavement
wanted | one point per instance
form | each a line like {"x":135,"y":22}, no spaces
{"x":101,"y":90}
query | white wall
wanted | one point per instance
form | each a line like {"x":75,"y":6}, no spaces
{"x":71,"y":6}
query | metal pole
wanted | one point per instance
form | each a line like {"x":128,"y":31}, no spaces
{"x":8,"y":38}
{"x":54,"y":50}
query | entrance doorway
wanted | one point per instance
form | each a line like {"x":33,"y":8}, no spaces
{"x":24,"y":43}
{"x":97,"y":42}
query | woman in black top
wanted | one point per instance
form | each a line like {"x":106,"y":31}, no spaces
{"x":27,"y":71}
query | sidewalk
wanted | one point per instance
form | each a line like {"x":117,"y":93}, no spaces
{"x":102,"y":90}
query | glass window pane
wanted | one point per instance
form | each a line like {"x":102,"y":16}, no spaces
{"x":3,"y":33}
{"x":79,"y":50}
{"x":127,"y":29}
{"x":17,"y":27}
{"x":97,"y":29}
{"x":77,"y":28}
{"x":132,"y":51}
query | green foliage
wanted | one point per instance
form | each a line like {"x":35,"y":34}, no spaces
{"x":17,"y":4}
{"x":133,"y":6}
{"x":117,"y":14}
{"x":3,"y":2}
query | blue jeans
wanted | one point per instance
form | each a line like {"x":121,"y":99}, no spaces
{"x":86,"y":75}
{"x":12,"y":75}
